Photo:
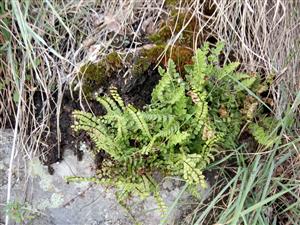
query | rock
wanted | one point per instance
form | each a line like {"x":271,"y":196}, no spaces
{"x":50,"y":200}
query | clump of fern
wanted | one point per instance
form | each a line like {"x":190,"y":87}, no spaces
{"x":189,"y":118}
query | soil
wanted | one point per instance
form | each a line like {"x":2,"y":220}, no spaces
{"x":136,"y":90}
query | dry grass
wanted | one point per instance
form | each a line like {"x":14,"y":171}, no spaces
{"x":48,"y":40}
{"x":264,"y":35}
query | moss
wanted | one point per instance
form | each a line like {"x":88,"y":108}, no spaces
{"x":170,"y":3}
{"x":96,"y":74}
{"x":181,"y":56}
{"x":149,"y":57}
{"x":93,"y":76}
{"x":208,"y":7}
{"x":162,"y":36}
{"x":174,"y":25}
{"x":145,"y":59}
{"x":113,"y":60}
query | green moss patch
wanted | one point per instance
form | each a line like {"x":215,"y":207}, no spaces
{"x":157,"y":54}
{"x":97,"y":74}
{"x":184,"y":24}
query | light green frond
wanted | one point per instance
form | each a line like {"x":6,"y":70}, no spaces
{"x":114,"y":93}
{"x":139,"y":120}
{"x":109,"y":104}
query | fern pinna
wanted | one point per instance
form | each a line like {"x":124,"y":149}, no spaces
{"x":176,"y":134}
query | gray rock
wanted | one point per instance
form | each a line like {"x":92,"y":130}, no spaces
{"x":50,"y":200}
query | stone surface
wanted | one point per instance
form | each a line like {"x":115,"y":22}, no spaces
{"x":50,"y":200}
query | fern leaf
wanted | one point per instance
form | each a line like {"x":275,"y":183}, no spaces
{"x":170,"y":129}
{"x":230,"y":68}
{"x":215,"y":52}
{"x":122,"y":132}
{"x":264,"y":134}
{"x":139,"y":120}
{"x":191,"y":173}
{"x":241,"y":76}
{"x":178,"y":138}
{"x":117,"y":98}
{"x":109,"y":105}
{"x":246,"y":83}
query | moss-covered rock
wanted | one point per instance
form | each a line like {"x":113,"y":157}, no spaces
{"x":145,"y":58}
{"x":151,"y":56}
{"x":184,"y":23}
{"x":94,"y":75}
{"x":97,"y":75}
{"x":181,"y":56}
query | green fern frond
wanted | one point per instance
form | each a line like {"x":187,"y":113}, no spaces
{"x":230,"y":68}
{"x":109,"y":104}
{"x":241,"y":76}
{"x":171,"y":70}
{"x":196,"y":73}
{"x":160,"y":202}
{"x":191,"y":173}
{"x":157,"y":116}
{"x":264,"y":132}
{"x":158,"y":94}
{"x":178,"y":138}
{"x":122,"y":132}
{"x":114,"y":93}
{"x":172,"y":128}
{"x":215,"y":52}
{"x":245,"y":83}
{"x":139,"y":120}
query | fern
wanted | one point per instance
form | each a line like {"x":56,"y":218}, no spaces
{"x":178,"y":133}
{"x":139,"y":121}
{"x":265,"y":131}
{"x":190,"y":169}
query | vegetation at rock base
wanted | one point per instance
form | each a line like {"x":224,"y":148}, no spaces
{"x":254,"y":178}
{"x":189,"y":119}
